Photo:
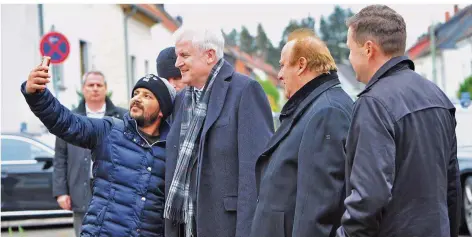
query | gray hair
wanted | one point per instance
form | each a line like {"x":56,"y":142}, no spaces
{"x":84,"y":77}
{"x":203,"y":38}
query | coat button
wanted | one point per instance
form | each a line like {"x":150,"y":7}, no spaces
{"x":143,"y":199}
{"x":149,"y":169}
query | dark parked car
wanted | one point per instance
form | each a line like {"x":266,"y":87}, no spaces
{"x":464,"y":156}
{"x":27,"y":166}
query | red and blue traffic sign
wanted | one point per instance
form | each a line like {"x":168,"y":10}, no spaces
{"x":56,"y":46}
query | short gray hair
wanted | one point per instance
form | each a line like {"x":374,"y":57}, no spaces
{"x":84,"y":77}
{"x":204,"y":38}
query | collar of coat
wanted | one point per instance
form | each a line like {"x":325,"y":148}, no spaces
{"x":293,"y":103}
{"x":392,"y":65}
{"x":289,"y":121}
{"x":110,"y":107}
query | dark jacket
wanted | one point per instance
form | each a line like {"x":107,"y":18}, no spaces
{"x":237,"y":126}
{"x":300,"y":174}
{"x":128,"y":188}
{"x":402,"y":172}
{"x":71,"y":175}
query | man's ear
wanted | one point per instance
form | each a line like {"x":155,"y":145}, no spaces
{"x":211,"y":56}
{"x":369,"y":48}
{"x":302,"y":64}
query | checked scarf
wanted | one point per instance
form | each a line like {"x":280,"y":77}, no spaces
{"x":179,"y":206}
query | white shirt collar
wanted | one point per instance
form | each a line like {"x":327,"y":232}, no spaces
{"x":198,"y":90}
{"x":100,"y":111}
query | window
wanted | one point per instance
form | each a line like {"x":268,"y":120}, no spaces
{"x":16,"y":150}
{"x":146,"y":67}
{"x":83,"y":57}
{"x":133,"y":70}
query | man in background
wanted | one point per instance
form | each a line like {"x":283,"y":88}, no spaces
{"x":165,"y":64}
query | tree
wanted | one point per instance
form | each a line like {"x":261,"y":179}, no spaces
{"x":262,"y":42}
{"x":334,"y":32}
{"x":466,"y":86}
{"x":308,"y":22}
{"x":292,"y":25}
{"x":232,"y":38}
{"x":273,"y":56}
{"x":324,"y":29}
{"x":246,"y":41}
{"x":272,"y":93}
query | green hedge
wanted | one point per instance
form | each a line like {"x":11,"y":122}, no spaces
{"x":466,"y":86}
{"x":271,"y":92}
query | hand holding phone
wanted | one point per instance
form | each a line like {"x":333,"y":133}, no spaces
{"x":38,"y":77}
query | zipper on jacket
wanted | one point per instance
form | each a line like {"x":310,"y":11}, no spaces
{"x":137,"y":130}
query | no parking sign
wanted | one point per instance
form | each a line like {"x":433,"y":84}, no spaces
{"x":56,"y":46}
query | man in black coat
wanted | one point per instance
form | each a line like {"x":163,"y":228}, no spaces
{"x":72,"y":164}
{"x":402,"y":172}
{"x":300,"y":174}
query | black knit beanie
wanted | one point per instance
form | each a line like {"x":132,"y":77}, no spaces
{"x":161,"y":88}
{"x":165,"y":64}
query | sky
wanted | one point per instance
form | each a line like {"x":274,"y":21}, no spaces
{"x":275,"y":17}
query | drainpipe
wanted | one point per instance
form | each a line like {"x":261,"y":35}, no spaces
{"x":125,"y":24}
{"x":40,"y":20}
{"x":432,"y":36}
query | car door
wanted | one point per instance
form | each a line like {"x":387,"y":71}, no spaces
{"x":26,"y":182}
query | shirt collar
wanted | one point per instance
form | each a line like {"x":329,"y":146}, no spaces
{"x":100,"y":111}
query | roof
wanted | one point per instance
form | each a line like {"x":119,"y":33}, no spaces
{"x":447,"y":34}
{"x":466,"y":34}
{"x":420,"y":46}
{"x":151,"y":14}
{"x":167,"y":20}
{"x":251,"y":61}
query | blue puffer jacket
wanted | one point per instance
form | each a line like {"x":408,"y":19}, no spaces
{"x":128,"y":189}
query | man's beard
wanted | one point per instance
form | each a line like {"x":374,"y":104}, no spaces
{"x":143,"y":122}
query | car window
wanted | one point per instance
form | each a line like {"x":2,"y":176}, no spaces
{"x":13,"y":150}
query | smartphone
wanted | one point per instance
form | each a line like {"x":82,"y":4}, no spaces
{"x":46,"y":61}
